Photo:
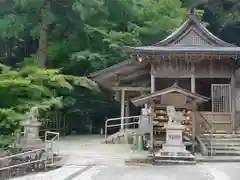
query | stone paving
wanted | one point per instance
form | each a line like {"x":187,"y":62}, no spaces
{"x":87,"y":159}
{"x":58,"y":174}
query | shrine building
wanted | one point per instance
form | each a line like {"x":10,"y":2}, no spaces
{"x":190,"y":62}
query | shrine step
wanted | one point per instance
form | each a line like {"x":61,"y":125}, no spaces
{"x":225,"y":147}
{"x":222,"y":144}
{"x":224,"y":152}
{"x":121,"y":137}
{"x":222,"y":139}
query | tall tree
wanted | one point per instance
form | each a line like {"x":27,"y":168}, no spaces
{"x":81,"y":36}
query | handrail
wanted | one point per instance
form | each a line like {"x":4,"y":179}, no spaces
{"x":51,"y":142}
{"x":116,"y":125}
{"x":206,"y":130}
{"x":205,"y":120}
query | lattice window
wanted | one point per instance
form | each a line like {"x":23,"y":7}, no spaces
{"x":221,"y":98}
{"x":195,"y":39}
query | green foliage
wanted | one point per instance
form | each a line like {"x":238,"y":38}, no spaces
{"x":9,"y":122}
{"x":82,"y":36}
{"x":31,"y":85}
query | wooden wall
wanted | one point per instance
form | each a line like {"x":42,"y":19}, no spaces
{"x":221,"y":122}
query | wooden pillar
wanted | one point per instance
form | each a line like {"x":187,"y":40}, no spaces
{"x":152,"y":80}
{"x":153,"y":89}
{"x":233,"y":100}
{"x":193,"y":83}
{"x":127,"y":108}
{"x":122,"y":108}
{"x":151,"y":133}
{"x":195,"y":123}
{"x":193,"y":79}
{"x":117,"y":95}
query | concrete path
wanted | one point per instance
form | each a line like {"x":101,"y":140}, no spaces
{"x":199,"y":172}
{"x":86,"y":159}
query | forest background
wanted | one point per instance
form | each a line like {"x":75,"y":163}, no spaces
{"x":49,"y":47}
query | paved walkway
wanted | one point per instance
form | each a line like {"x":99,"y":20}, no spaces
{"x":199,"y":172}
{"x":86,"y":159}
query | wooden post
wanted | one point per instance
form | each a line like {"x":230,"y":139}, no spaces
{"x":152,"y":80}
{"x":152,"y":110}
{"x":122,"y":108}
{"x":151,"y":134}
{"x":193,"y":81}
{"x":127,"y":111}
{"x":233,"y":100}
{"x":195,"y":124}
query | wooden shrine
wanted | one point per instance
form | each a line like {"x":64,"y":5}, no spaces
{"x":202,"y":64}
{"x":182,"y":99}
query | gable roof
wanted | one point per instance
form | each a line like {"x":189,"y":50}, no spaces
{"x":174,"y":88}
{"x":193,"y":24}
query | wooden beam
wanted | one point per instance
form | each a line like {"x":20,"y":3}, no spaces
{"x":134,"y":75}
{"x":118,"y":88}
{"x":197,"y":75}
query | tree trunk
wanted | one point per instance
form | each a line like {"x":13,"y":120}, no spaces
{"x":42,"y":53}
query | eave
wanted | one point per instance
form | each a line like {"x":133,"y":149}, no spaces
{"x":154,"y":50}
{"x":124,"y":71}
{"x":145,"y":99}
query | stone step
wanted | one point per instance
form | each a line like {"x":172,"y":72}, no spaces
{"x":217,"y":159}
{"x":174,"y":158}
{"x":159,"y":143}
{"x":223,"y":143}
{"x":237,"y":140}
{"x":224,"y":153}
{"x":227,"y":148}
{"x":153,"y":161}
{"x":172,"y":162}
{"x":223,"y":135}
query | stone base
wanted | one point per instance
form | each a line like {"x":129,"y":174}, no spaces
{"x":164,"y":159}
{"x":183,"y":157}
{"x":173,"y":148}
{"x":29,"y":144}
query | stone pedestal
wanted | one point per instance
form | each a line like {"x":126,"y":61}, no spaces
{"x":174,"y":150}
{"x":174,"y":143}
{"x":30,"y":139}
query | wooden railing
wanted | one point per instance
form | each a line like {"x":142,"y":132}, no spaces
{"x":206,"y":130}
{"x":221,"y":121}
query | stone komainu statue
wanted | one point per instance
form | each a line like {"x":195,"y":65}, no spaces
{"x":175,"y":117}
{"x":33,"y":114}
